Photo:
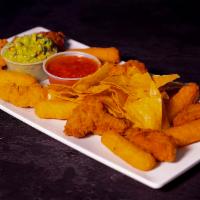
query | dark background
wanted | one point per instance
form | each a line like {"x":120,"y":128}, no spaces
{"x":162,"y":34}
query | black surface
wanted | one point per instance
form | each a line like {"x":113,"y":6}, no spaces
{"x":163,"y":34}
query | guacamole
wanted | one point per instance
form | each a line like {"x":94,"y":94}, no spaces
{"x":29,"y":49}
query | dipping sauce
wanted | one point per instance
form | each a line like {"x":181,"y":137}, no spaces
{"x":71,"y":66}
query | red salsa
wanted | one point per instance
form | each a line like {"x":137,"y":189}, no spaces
{"x":71,"y":66}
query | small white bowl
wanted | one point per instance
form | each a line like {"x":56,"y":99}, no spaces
{"x":67,"y":81}
{"x":34,"y":69}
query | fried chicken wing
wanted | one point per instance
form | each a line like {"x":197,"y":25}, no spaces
{"x":157,"y":143}
{"x":187,"y":95}
{"x":192,"y":112}
{"x":57,"y":38}
{"x":91,"y":116}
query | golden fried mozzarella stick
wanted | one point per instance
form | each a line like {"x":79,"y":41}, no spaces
{"x":161,"y":146}
{"x":110,"y":54}
{"x":54,"y":109}
{"x":129,"y":152}
{"x":192,"y":112}
{"x":187,"y":95}
{"x":185,"y":134}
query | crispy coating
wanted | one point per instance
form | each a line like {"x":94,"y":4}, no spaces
{"x":192,"y":112}
{"x":91,"y":116}
{"x":185,"y":134}
{"x":187,"y":95}
{"x":161,"y":146}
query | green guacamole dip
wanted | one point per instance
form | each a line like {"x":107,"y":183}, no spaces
{"x":29,"y":49}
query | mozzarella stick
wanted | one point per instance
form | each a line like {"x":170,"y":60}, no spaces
{"x":129,"y":152}
{"x":110,"y":54}
{"x":54,"y":109}
{"x":187,"y":95}
{"x":192,"y":112}
{"x":185,"y":134}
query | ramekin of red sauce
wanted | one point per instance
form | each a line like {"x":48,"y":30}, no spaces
{"x":70,"y":66}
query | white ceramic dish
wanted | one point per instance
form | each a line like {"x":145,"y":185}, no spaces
{"x":91,"y":146}
{"x":35,"y":69}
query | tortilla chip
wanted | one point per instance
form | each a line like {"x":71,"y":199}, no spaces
{"x":164,"y":79}
{"x":97,"y":89}
{"x":85,"y":83}
{"x":145,"y":112}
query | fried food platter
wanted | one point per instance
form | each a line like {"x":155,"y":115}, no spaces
{"x":91,"y":146}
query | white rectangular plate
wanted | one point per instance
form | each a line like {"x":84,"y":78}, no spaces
{"x":91,"y":146}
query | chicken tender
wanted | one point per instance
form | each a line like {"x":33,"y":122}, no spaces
{"x":192,"y":112}
{"x":187,"y":95}
{"x":185,"y":134}
{"x":110,"y":54}
{"x":91,"y":116}
{"x":54,"y":109}
{"x":161,"y":146}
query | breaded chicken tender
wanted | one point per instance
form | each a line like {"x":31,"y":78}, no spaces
{"x":91,"y":116}
{"x":187,"y":95}
{"x":192,"y":112}
{"x":161,"y":146}
{"x":185,"y":134}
